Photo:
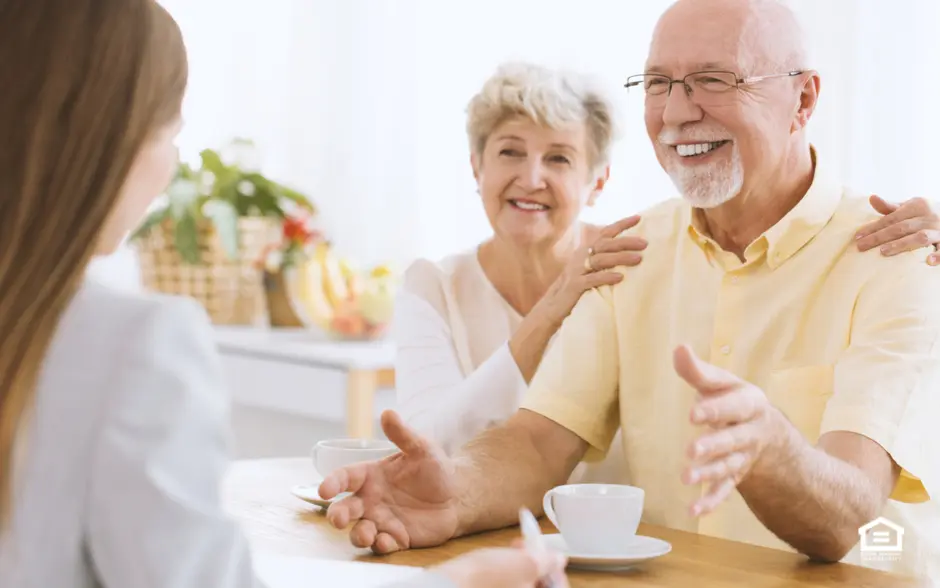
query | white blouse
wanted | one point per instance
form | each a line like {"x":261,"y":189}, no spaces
{"x":454,"y":373}
{"x":118,"y":479}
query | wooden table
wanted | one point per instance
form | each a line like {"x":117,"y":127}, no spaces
{"x":368,"y":365}
{"x":256,"y":494}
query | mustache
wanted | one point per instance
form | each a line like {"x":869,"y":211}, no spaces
{"x":673,"y":136}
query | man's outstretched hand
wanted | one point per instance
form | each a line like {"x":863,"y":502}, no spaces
{"x":404,"y":501}
{"x":741,"y":428}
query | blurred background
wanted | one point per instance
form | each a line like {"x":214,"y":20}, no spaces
{"x":359,"y":106}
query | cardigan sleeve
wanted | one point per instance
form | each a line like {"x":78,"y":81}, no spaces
{"x":435,"y":396}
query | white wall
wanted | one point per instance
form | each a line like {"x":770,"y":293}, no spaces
{"x":361,"y":102}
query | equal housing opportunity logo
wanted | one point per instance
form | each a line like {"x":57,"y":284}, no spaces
{"x":881,"y":540}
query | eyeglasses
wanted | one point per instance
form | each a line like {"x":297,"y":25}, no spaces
{"x":706,"y":88}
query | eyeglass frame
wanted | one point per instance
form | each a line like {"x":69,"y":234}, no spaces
{"x":738,"y":80}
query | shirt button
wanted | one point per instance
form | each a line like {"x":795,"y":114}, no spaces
{"x":725,"y":350}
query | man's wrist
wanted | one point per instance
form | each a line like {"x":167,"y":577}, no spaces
{"x":783,"y":455}
{"x":466,"y":515}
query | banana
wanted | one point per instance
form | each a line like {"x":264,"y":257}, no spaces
{"x":334,"y":284}
{"x":311,"y":295}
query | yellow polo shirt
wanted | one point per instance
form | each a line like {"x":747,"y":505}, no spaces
{"x":837,"y":339}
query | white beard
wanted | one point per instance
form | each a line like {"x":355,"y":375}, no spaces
{"x":708,"y":186}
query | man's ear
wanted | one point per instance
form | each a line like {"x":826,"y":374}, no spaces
{"x":599,"y":184}
{"x":809,"y":97}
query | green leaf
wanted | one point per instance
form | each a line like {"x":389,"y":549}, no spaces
{"x":225,"y":219}
{"x":297,"y":198}
{"x":153,"y":219}
{"x":187,"y":239}
{"x":185,"y":172}
{"x":182,"y":196}
{"x":211,"y":161}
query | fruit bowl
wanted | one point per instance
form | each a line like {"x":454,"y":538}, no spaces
{"x":346,"y":304}
{"x":352,"y":324}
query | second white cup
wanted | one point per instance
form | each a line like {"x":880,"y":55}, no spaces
{"x":595,"y":519}
{"x":333,"y":454}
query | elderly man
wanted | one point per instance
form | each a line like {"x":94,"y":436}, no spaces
{"x":773,"y":382}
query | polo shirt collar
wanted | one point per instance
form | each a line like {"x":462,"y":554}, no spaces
{"x":791,"y":233}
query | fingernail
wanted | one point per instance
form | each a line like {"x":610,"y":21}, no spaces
{"x":696,"y":510}
{"x":859,"y":236}
{"x":694,"y":476}
{"x":886,"y":249}
{"x":698,"y":415}
{"x":932,"y":260}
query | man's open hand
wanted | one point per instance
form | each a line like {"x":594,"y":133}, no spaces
{"x":742,"y":426}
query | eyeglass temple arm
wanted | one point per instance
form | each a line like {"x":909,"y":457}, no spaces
{"x":755,"y":79}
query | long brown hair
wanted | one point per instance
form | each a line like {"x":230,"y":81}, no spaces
{"x":85,"y":83}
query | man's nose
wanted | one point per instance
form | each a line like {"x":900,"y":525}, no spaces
{"x":532,"y":176}
{"x":679,"y":108}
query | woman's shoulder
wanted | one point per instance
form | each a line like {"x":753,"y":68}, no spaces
{"x":425,"y":269}
{"x":102,"y":323}
{"x":426,"y":276}
{"x":115,"y":309}
{"x":111,"y":347}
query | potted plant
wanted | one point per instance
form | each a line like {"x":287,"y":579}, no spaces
{"x":204,"y":237}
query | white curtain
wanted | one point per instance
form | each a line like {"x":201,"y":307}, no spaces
{"x":360,"y":103}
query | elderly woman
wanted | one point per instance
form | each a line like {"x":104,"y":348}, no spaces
{"x":472,"y":329}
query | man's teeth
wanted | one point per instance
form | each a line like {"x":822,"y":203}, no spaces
{"x":529,"y":205}
{"x":697,"y":148}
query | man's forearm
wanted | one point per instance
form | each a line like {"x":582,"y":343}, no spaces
{"x":493,"y":488}
{"x":814,"y":501}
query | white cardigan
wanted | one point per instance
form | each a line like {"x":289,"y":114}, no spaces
{"x":118,"y":478}
{"x":454,"y":373}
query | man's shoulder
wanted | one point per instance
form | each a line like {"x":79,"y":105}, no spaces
{"x":903,"y":269}
{"x":663,"y":221}
{"x":854,"y":210}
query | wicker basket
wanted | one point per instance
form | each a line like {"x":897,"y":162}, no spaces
{"x":231,"y":290}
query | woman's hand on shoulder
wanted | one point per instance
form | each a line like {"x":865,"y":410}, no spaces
{"x":911,"y":225}
{"x":593,"y":265}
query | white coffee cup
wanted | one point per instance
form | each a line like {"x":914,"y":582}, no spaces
{"x":595,"y":519}
{"x":332,"y":454}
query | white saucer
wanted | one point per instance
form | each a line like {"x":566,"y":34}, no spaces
{"x":640,"y":549}
{"x":311,"y":494}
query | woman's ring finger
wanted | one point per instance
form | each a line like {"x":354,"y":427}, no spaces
{"x":587,"y":260}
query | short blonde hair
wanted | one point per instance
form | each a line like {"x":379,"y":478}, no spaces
{"x":548,"y":97}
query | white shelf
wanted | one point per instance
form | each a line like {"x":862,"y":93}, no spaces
{"x":306,"y":347}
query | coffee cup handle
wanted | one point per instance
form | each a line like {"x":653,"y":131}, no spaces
{"x":549,"y":508}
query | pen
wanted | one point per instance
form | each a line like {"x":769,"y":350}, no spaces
{"x":534,"y":541}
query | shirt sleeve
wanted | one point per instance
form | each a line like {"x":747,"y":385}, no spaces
{"x":433,"y":394}
{"x":887,"y":382}
{"x":576,"y":384}
{"x":154,"y":512}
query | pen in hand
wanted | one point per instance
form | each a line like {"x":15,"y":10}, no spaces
{"x":534,"y":541}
